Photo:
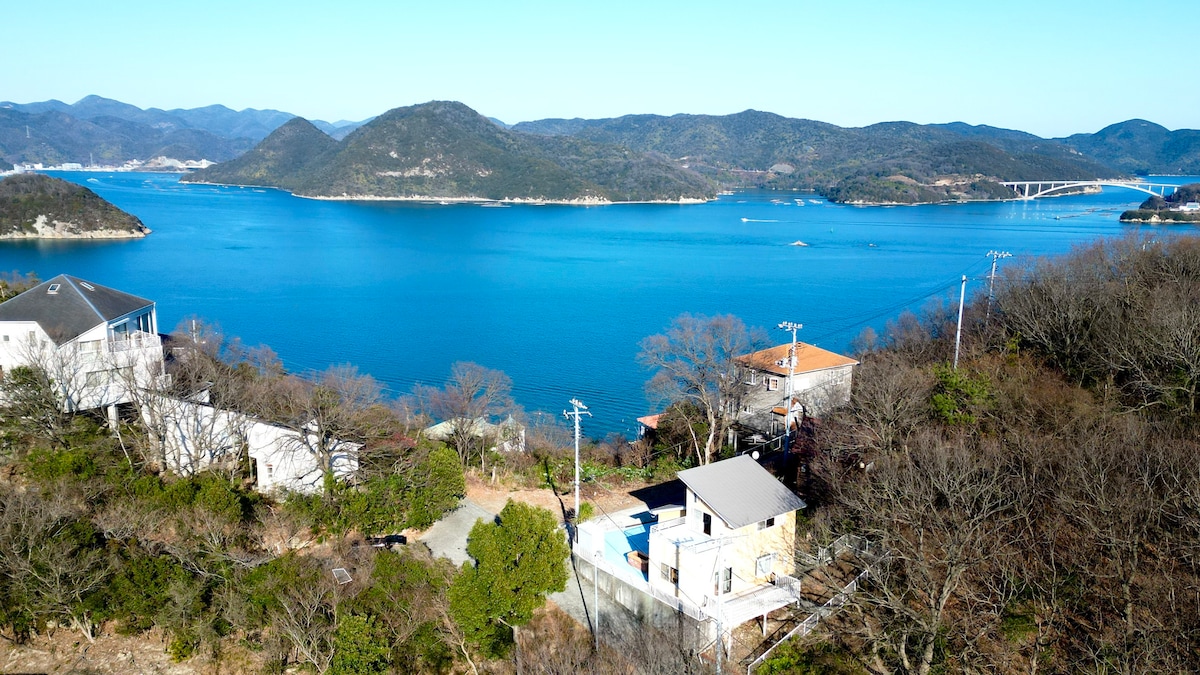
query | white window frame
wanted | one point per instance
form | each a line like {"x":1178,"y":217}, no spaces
{"x":763,"y":564}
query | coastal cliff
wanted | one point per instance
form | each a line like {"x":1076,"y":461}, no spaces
{"x":35,"y":206}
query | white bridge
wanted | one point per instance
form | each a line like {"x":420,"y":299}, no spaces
{"x":1032,"y":189}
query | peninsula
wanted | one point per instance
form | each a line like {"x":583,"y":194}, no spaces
{"x":1181,"y":206}
{"x":36,"y":206}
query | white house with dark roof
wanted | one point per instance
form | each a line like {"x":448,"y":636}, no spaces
{"x":820,"y":381}
{"x":731,"y":552}
{"x":93,"y":341}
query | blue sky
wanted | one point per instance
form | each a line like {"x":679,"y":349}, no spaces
{"x":1051,"y":67}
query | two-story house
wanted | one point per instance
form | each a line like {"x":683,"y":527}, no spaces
{"x":735,"y":540}
{"x":820,"y":381}
{"x":94,"y":342}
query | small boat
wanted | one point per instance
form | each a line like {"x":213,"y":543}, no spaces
{"x":798,"y":243}
{"x":814,"y":201}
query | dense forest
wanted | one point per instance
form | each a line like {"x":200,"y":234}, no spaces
{"x":1036,"y":506}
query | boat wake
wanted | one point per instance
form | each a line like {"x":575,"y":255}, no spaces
{"x":758,"y":220}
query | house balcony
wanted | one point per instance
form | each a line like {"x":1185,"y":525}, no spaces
{"x":132,"y":341}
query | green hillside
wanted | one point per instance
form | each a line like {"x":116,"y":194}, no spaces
{"x":39,"y":206}
{"x":445,"y":150}
{"x":903,"y":161}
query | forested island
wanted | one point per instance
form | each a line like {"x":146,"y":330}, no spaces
{"x":35,"y":206}
{"x":445,"y":150}
{"x":1167,"y":210}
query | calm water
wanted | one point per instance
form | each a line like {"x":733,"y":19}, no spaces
{"x":558,"y":297}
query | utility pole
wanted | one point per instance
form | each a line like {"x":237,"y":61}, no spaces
{"x":787,"y":419}
{"x":962,"y":296}
{"x":994,"y":255}
{"x":580,"y":409}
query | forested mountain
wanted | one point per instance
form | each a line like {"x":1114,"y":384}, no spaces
{"x":446,"y":150}
{"x":37,"y":206}
{"x":1142,"y":147}
{"x":54,"y":137}
{"x":893,"y":161}
{"x":886,"y":162}
{"x":111,"y":132}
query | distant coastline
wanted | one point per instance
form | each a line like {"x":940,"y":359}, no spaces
{"x":426,"y":199}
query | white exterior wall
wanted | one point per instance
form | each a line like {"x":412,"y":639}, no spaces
{"x":195,"y":436}
{"x":283,"y":461}
{"x":699,"y":557}
{"x":92,"y":371}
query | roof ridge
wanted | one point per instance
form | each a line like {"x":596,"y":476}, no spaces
{"x":86,"y":299}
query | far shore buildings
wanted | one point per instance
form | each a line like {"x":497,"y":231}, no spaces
{"x":101,"y":349}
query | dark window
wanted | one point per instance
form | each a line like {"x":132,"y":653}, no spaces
{"x":707,"y":523}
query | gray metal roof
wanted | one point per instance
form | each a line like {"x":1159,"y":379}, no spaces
{"x":740,"y":491}
{"x":75,"y":307}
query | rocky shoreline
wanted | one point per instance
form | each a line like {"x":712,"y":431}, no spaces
{"x":43,"y":228}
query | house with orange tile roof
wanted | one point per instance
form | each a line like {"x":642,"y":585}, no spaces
{"x":820,"y":381}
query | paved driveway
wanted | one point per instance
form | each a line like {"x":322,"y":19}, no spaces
{"x":448,"y":536}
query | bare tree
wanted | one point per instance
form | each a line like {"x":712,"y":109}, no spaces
{"x":471,"y":398}
{"x":696,"y":362}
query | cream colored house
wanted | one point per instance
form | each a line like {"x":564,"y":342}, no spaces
{"x":730,"y":552}
{"x":820,"y":381}
{"x":95,"y":343}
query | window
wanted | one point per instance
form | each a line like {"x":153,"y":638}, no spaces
{"x":89,"y":346}
{"x":97,"y":378}
{"x":52,"y":289}
{"x":762,"y":566}
{"x":723,"y":581}
{"x":669,"y":573}
{"x":707,"y":517}
{"x":772,"y":384}
{"x":765,"y":524}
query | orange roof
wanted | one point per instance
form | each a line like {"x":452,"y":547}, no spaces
{"x":650,"y":421}
{"x":809,"y":358}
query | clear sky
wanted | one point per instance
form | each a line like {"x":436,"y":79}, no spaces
{"x":1050,"y":67}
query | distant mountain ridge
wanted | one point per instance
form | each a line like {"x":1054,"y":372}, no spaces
{"x":106,"y":131}
{"x":446,"y":150}
{"x":887,"y":162}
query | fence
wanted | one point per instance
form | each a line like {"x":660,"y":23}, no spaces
{"x":809,"y":624}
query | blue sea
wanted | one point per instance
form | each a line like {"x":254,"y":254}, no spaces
{"x":558,"y":297}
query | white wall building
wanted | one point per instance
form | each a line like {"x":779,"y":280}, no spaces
{"x":94,"y":342}
{"x":193,"y":436}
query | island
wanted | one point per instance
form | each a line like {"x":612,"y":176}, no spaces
{"x":36,"y":206}
{"x":443,"y":151}
{"x":1181,"y":206}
